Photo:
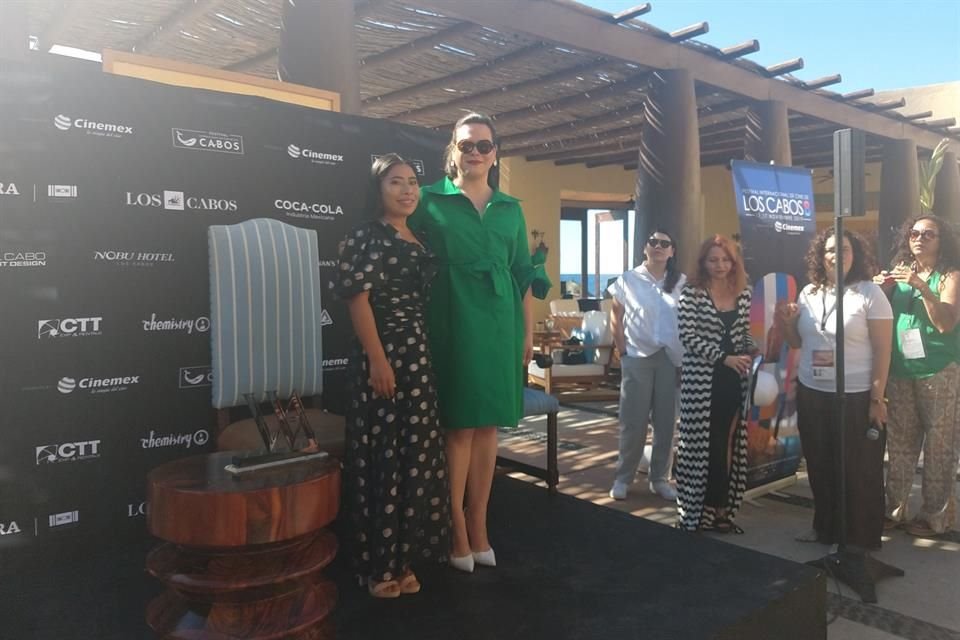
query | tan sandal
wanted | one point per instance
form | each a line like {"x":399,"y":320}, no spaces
{"x":385,"y":589}
{"x":889,"y":524}
{"x":409,"y":583}
{"x":921,"y":529}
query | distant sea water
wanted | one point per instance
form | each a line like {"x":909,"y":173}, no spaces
{"x":590,"y":291}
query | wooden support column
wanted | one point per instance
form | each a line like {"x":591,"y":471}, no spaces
{"x":768,"y":133}
{"x":668,"y":171}
{"x":899,"y":193}
{"x":318,"y":48}
{"x":14,"y":33}
{"x":946,"y":195}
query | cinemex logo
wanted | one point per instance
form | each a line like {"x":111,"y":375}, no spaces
{"x":201,"y":324}
{"x":781,"y":227}
{"x":68,"y":452}
{"x":97,"y":385}
{"x":207,"y":141}
{"x":68,"y":327}
{"x":184,"y":440}
{"x":63,"y":519}
{"x":418,"y":165}
{"x":132,"y":258}
{"x":310,"y":210}
{"x":178,"y":201}
{"x":9,"y":189}
{"x":192,"y":377}
{"x":335,"y":363}
{"x":314,"y":157}
{"x":23,"y":259}
{"x":92,"y":127}
{"x":9,"y":528}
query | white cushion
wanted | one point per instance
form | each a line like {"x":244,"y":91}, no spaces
{"x":567,"y":370}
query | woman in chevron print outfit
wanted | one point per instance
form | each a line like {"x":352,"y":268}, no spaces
{"x":714,"y":314}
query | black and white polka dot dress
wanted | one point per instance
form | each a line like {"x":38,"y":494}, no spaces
{"x":395,"y":482}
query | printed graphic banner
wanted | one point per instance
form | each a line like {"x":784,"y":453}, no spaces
{"x":777,"y":224}
{"x":107,"y":187}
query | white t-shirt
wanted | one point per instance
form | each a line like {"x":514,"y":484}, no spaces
{"x":817,"y":326}
{"x":650,"y":313}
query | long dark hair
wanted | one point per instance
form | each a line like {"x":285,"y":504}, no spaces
{"x":863,"y":267}
{"x":450,"y":167}
{"x":672,"y":274}
{"x":378,"y":172}
{"x":948,"y":258}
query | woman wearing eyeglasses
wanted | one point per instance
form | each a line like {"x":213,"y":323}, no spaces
{"x":479,"y":320}
{"x":644,"y":326}
{"x":924,"y":375}
{"x":714,"y":316}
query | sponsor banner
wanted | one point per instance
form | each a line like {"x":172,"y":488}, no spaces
{"x":91,"y":126}
{"x":9,"y":189}
{"x":172,"y":200}
{"x":200,"y":324}
{"x":66,"y":386}
{"x":418,"y":165}
{"x":314,"y":156}
{"x":308,"y":210}
{"x":155,"y":440}
{"x":20,"y":259}
{"x":131,"y":258}
{"x":61,"y":192}
{"x":207,"y":141}
{"x":67,"y":452}
{"x":69,"y":327}
{"x":192,"y":377}
{"x":63,"y":519}
{"x":10,"y":528}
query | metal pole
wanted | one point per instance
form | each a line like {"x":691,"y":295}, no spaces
{"x":838,"y":356}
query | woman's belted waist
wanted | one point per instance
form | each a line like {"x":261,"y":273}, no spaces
{"x":485,"y":266}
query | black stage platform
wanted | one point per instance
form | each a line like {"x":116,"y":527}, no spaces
{"x":568,"y":569}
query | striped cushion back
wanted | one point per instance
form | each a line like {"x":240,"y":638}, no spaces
{"x":265,"y":311}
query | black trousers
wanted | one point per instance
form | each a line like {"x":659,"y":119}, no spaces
{"x":724,"y":405}
{"x":863,"y":466}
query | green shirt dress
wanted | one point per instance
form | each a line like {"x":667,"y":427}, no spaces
{"x":475,"y":312}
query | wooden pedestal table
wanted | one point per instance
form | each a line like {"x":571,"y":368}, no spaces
{"x":243,"y":555}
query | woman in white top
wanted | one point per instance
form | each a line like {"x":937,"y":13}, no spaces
{"x":645,"y":332}
{"x":810,"y":325}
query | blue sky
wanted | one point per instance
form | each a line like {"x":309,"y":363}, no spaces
{"x":878,"y":44}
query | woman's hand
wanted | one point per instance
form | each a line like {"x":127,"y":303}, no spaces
{"x":382,"y":379}
{"x":884,"y":279}
{"x":878,"y":413}
{"x":740,"y":364}
{"x":786,"y":314}
{"x":905,"y":274}
{"x":527,"y":349}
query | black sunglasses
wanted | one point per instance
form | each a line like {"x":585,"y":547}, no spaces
{"x":663,"y":244}
{"x":926,"y":234}
{"x":483,"y":147}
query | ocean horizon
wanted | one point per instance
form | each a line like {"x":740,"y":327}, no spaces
{"x":591,"y":282}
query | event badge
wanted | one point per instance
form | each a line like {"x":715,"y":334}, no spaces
{"x":823,"y":365}
{"x":911,"y":344}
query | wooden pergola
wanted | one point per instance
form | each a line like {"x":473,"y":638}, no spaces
{"x":565,"y":83}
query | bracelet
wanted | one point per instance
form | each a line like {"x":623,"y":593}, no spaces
{"x":878,"y":400}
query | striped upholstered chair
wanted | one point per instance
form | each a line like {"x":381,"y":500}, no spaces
{"x":265,"y":327}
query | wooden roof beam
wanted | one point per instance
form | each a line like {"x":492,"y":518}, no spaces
{"x":884,"y":106}
{"x":740,"y":50}
{"x":366,"y":9}
{"x":692,"y":31}
{"x":820,"y":83}
{"x":572,"y":143}
{"x":920,"y":115}
{"x":253,"y":61}
{"x":620,"y":158}
{"x":64,"y":17}
{"x":376,"y":60}
{"x":576,"y":125}
{"x":939,"y":124}
{"x":781,"y":68}
{"x":571,"y":101}
{"x":595,"y":150}
{"x":631,"y":13}
{"x":183,"y":15}
{"x":857,"y":95}
{"x":563,"y":22}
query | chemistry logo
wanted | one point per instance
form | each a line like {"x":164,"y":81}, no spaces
{"x":207,"y":141}
{"x":97,"y":385}
{"x":122,"y":258}
{"x":191,"y":377}
{"x":418,"y":165}
{"x":63,"y":519}
{"x":310,"y":210}
{"x":313,"y":156}
{"x":10,"y":528}
{"x":185,"y":440}
{"x":68,"y":327}
{"x":9,"y":189}
{"x":61,"y":191}
{"x":15,"y":259}
{"x":178,"y":201}
{"x":68,"y":452}
{"x":92,"y":127}
{"x":200,"y":325}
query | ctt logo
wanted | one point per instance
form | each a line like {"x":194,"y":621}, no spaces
{"x":16,"y":259}
{"x":68,"y":452}
{"x":418,"y":165}
{"x":137,"y":509}
{"x":185,"y":440}
{"x":97,"y":385}
{"x":10,"y":528}
{"x":9,"y":189}
{"x":314,"y":157}
{"x":188,"y":325}
{"x":310,"y":210}
{"x":68,"y":327}
{"x":92,"y":127}
{"x":207,"y":141}
{"x":192,"y":377}
{"x":178,"y":201}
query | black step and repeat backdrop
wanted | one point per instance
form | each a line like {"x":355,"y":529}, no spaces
{"x":107,"y":187}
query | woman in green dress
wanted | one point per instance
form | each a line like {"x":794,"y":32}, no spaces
{"x":479,"y":322}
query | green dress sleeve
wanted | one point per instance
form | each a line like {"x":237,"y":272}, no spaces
{"x":527,"y":271}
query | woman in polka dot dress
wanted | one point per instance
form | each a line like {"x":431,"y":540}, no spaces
{"x":395,"y":484}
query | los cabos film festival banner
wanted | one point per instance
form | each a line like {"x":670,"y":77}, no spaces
{"x":777,"y":224}
{"x":107,"y":187}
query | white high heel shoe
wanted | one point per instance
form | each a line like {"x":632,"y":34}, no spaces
{"x":485,"y":558}
{"x":462,"y":563}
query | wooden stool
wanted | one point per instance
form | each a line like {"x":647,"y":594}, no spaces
{"x":243,"y":554}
